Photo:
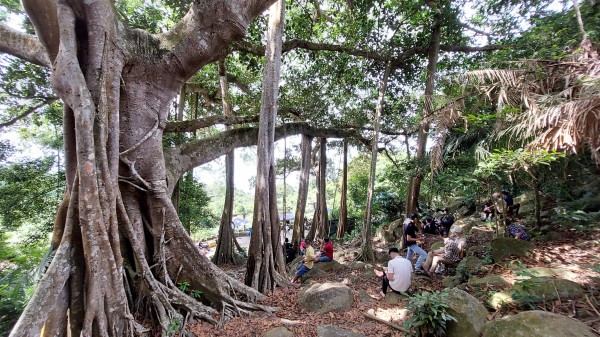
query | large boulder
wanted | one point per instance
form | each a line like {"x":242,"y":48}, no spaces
{"x":471,"y":264}
{"x":279,"y":332}
{"x":506,"y":247}
{"x":325,"y":297}
{"x":334,"y":331}
{"x":469,"y":313}
{"x":437,"y":245}
{"x":466,"y":224}
{"x":451,"y":281}
{"x":391,"y":232}
{"x":540,"y":289}
{"x":329,"y":266}
{"x":314,"y":273}
{"x":496,"y":281}
{"x":537,"y":324}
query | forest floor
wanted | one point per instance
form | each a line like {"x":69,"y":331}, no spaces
{"x":574,"y":252}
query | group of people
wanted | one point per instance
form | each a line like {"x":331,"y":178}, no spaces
{"x":325,"y":254}
{"x":503,"y":203}
{"x":397,"y":277}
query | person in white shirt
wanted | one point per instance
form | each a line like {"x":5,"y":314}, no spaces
{"x":398,"y":275}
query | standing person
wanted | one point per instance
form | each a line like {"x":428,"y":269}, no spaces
{"x":307,"y":262}
{"x":398,"y":275}
{"x":327,"y":251}
{"x":412,"y":241}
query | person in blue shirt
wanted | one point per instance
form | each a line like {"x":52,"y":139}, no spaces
{"x":515,"y":230}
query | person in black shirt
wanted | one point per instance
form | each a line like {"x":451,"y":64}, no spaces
{"x":412,"y":241}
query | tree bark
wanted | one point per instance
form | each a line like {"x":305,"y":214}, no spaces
{"x":117,"y":85}
{"x":321,"y":217}
{"x":224,"y":252}
{"x":305,"y":153}
{"x":414,"y":188}
{"x":367,"y":253}
{"x":266,"y":265}
{"x":344,"y":195}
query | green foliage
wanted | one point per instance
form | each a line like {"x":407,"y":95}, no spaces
{"x":429,"y":314}
{"x":183,"y":286}
{"x":174,"y":327}
{"x":508,"y":161}
{"x":578,"y":220}
{"x":194,"y":201}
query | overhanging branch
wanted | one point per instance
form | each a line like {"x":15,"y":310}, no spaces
{"x":185,"y":157}
{"x":24,"y":46}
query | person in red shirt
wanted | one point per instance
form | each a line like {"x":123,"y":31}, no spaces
{"x":327,"y":253}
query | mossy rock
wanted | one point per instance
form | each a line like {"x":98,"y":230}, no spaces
{"x":537,"y":323}
{"x":469,"y":313}
{"x":451,"y":282}
{"x":466,"y":224}
{"x":545,"y":289}
{"x":507,"y":247}
{"x":393,"y":298}
{"x":553,"y":236}
{"x":545,"y":272}
{"x":479,"y":250}
{"x":437,"y":245}
{"x":279,"y":332}
{"x":472,"y":264}
{"x":500,"y":299}
{"x":489,"y":280}
{"x":331,"y":266}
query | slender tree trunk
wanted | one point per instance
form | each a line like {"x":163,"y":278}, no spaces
{"x":344,"y":195}
{"x":224,"y":252}
{"x":181,"y":103}
{"x":305,"y":149}
{"x":266,"y":264}
{"x":321,"y":219}
{"x":537,"y":197}
{"x":414,"y":188}
{"x":366,"y":235}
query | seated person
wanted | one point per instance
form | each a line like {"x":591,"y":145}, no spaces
{"x":449,"y":254}
{"x":429,"y":226}
{"x":307,"y":262}
{"x":290,"y":251}
{"x":398,"y":275}
{"x":487,"y":214}
{"x":515,"y":230}
{"x":447,"y":221}
{"x":302,"y":247}
{"x":326,"y":254}
{"x":511,"y":207}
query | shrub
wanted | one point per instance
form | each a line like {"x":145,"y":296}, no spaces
{"x":429,"y":314}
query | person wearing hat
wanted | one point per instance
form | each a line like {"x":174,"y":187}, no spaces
{"x":307,"y":262}
{"x":449,"y":254}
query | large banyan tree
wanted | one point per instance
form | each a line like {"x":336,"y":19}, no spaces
{"x":120,"y":246}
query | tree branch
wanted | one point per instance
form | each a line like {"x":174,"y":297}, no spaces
{"x":27,"y":112}
{"x":24,"y":46}
{"x":185,"y":157}
{"x":205,"y":30}
{"x":368,"y":54}
{"x":190,"y":126}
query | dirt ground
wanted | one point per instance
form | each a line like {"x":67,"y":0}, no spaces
{"x":575,"y":252}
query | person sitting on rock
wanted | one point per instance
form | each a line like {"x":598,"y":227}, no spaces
{"x":307,"y":262}
{"x":447,"y":221}
{"x":302,"y":247}
{"x":515,"y":230}
{"x":326,"y":254}
{"x":511,"y":207}
{"x":449,"y":254}
{"x":398,"y":275}
{"x":487,"y":214}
